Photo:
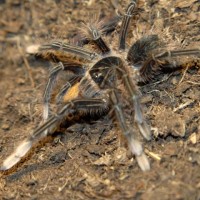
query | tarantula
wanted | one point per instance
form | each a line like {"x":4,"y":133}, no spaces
{"x":99,"y":81}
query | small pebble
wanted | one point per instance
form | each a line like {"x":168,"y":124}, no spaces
{"x":5,"y":126}
{"x":21,"y":81}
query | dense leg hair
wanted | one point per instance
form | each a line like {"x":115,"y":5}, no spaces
{"x":134,"y":96}
{"x":95,"y":36}
{"x":76,"y":50}
{"x":141,"y":49}
{"x":155,"y":63}
{"x":142,"y":56}
{"x":104,"y":26}
{"x":134,"y":145}
{"x":125,"y":24}
{"x":68,"y":112}
{"x":93,"y":32}
{"x":106,"y":72}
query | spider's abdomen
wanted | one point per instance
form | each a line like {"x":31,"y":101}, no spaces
{"x":72,"y":93}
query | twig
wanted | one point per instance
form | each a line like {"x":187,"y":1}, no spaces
{"x":28,"y":68}
{"x":194,"y":83}
{"x":183,"y":105}
{"x":184,"y":73}
{"x":152,"y":155}
{"x":60,"y":189}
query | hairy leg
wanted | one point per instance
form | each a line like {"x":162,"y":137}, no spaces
{"x":66,"y":113}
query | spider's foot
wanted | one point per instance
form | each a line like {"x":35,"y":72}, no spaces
{"x":145,"y":130}
{"x":32,"y":49}
{"x":14,"y":158}
{"x":136,"y":148}
{"x":143,"y":162}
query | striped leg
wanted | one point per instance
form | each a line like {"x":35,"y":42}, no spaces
{"x":64,"y":47}
{"x":125,"y":24}
{"x":142,"y":56}
{"x":49,"y":87}
{"x":175,"y":53}
{"x":134,"y":145}
{"x":133,"y":92}
{"x":67,"y":113}
{"x":78,"y":70}
{"x":156,"y":63}
{"x":93,"y":32}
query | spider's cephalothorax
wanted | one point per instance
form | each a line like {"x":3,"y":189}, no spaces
{"x":100,"y":78}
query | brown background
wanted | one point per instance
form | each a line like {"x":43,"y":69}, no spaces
{"x":86,"y":162}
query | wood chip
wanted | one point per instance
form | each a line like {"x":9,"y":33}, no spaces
{"x":184,"y":4}
{"x":153,"y":155}
{"x":193,"y":138}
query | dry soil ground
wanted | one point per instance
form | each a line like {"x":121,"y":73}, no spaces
{"x":86,"y":161}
